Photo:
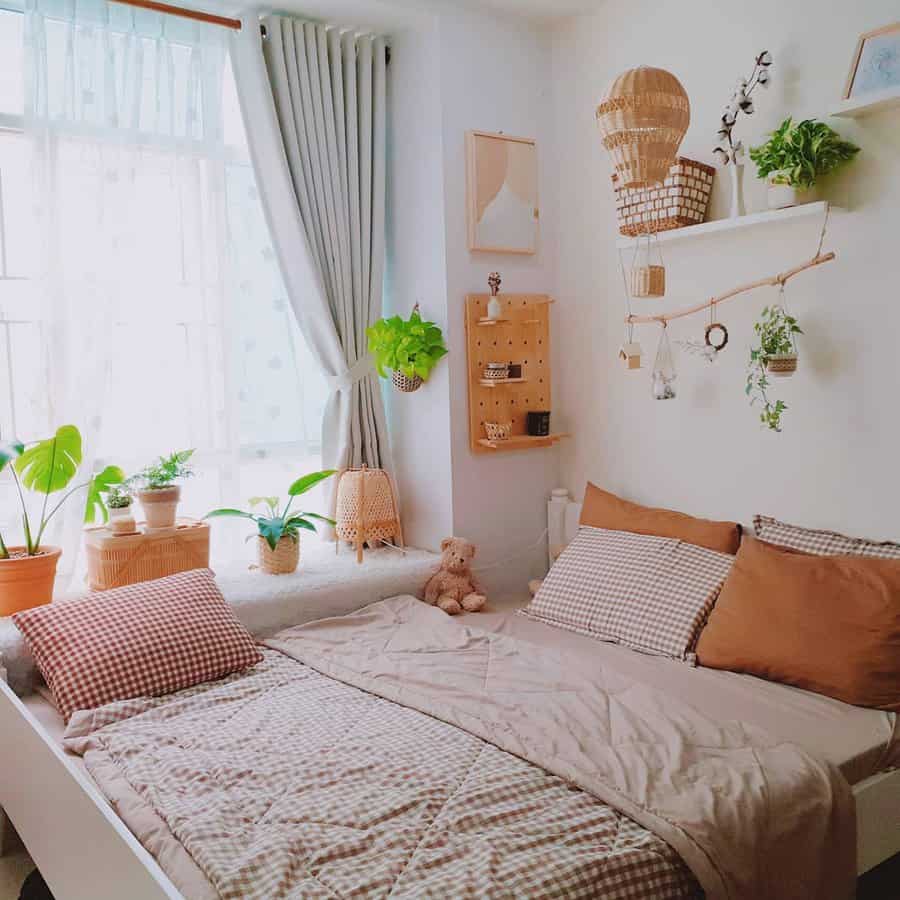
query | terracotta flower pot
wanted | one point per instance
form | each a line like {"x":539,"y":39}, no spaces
{"x":160,"y":506}
{"x":121,"y":520}
{"x":27,"y":581}
{"x":283,"y":560}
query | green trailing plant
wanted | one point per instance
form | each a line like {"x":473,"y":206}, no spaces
{"x":278,"y":522}
{"x":164,"y":472}
{"x":801,"y":153}
{"x":410,"y":346}
{"x":775,"y":333}
{"x":48,"y":467}
{"x":118,"y":497}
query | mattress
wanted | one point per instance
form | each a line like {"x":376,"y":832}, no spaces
{"x":861,"y":742}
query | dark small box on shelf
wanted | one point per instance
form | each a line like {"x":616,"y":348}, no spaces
{"x":538,"y":423}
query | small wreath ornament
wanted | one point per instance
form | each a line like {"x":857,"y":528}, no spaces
{"x":712,"y":340}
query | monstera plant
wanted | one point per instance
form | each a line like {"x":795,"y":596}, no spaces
{"x":48,"y":468}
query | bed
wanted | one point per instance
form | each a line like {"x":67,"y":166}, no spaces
{"x":56,"y":802}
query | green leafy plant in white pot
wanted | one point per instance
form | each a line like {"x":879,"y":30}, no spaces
{"x":121,"y":515}
{"x":410,"y":347}
{"x":46,"y":467}
{"x":796,"y":157}
{"x":774,"y":356}
{"x":157,"y":488}
{"x":278,"y":529}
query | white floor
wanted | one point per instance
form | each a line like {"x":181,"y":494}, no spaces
{"x":13,"y":869}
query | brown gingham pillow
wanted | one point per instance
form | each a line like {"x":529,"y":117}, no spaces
{"x":649,"y":593}
{"x":820,"y":543}
{"x":143,"y":640}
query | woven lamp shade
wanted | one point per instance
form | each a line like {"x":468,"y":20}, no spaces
{"x":643,"y":119}
{"x":366,"y":509}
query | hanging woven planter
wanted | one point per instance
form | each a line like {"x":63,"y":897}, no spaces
{"x":643,"y":119}
{"x":405,"y":383}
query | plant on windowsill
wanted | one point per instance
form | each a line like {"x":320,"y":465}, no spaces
{"x":278,"y":531}
{"x":121,"y":515}
{"x":410,"y":347}
{"x":776,"y":355}
{"x":158,"y":492}
{"x":796,"y":156}
{"x":46,"y":467}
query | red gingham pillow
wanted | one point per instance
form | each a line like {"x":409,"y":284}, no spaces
{"x":143,"y":640}
{"x":649,"y":593}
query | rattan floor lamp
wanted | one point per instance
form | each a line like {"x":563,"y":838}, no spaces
{"x":366,"y":509}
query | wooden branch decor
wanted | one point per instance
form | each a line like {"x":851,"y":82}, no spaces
{"x":773,"y":281}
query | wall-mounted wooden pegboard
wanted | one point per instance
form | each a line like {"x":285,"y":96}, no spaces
{"x":520,"y":336}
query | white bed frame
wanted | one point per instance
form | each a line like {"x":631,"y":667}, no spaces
{"x":877,"y":798}
{"x":85,"y":851}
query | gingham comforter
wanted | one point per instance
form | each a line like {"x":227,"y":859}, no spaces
{"x":481,"y":769}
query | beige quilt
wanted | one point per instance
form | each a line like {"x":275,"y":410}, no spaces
{"x":290,"y":782}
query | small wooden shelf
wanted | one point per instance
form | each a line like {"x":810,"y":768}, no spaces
{"x":857,"y":107}
{"x":523,"y":441}
{"x":499,"y":382}
{"x":483,"y":322}
{"x":769,"y":217}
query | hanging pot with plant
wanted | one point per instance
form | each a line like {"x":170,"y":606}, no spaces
{"x":776,"y":355}
{"x":27,"y":571}
{"x":410,"y":347}
{"x":796,"y":156}
{"x":158,"y":492}
{"x":278,"y":531}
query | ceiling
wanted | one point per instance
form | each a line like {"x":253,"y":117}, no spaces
{"x":536,"y":10}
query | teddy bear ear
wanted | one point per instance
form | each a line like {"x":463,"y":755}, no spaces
{"x":446,"y":542}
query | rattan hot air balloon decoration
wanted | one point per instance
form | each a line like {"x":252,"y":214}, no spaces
{"x":643,"y":119}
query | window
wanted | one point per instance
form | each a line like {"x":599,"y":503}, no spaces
{"x":185,"y":336}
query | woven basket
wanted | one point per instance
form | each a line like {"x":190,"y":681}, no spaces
{"x":366,"y":509}
{"x":498,"y":431}
{"x":782,"y":364}
{"x":679,"y":201}
{"x":117,"y":560}
{"x":405,"y":383}
{"x":648,"y":281}
{"x":283,"y":560}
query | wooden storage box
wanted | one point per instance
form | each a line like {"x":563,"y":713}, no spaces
{"x":679,"y":201}
{"x":117,"y":560}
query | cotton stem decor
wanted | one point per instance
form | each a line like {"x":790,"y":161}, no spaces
{"x":643,"y":119}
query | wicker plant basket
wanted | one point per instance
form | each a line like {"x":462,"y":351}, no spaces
{"x":680,"y":200}
{"x":781,"y":364}
{"x":498,"y":431}
{"x":117,"y":560}
{"x":366,"y":509}
{"x":283,"y":560}
{"x":405,"y":383}
{"x":648,"y":281}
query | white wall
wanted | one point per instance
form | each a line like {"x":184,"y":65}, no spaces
{"x":834,"y":464}
{"x":495,"y":76}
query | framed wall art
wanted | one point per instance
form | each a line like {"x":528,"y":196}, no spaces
{"x":502,"y":193}
{"x":876,"y":63}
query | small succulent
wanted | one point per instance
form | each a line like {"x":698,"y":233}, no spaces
{"x":728,"y":150}
{"x":118,"y":497}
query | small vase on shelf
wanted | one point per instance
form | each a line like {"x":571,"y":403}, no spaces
{"x":738,"y":208}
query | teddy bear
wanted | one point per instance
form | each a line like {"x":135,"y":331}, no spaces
{"x":453,"y":587}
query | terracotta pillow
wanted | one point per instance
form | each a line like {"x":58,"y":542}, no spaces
{"x":604,"y":510}
{"x":144,"y":640}
{"x":829,"y":624}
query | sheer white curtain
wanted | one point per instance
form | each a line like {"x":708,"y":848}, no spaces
{"x":164,"y":321}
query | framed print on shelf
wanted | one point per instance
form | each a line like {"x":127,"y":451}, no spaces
{"x":502,"y":193}
{"x":876,"y":63}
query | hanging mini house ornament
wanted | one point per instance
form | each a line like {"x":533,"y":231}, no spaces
{"x":664,"y":369}
{"x":630,"y":354}
{"x":643,"y":119}
{"x":648,"y":279}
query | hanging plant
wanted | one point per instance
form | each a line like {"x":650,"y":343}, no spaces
{"x":776,"y":355}
{"x":409,"y":347}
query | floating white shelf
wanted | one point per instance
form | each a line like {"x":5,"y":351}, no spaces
{"x":750,"y":220}
{"x":856,"y":107}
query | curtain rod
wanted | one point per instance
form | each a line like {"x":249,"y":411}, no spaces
{"x":194,"y":14}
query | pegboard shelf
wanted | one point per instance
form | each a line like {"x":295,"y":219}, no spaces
{"x":524,"y":340}
{"x":481,"y":323}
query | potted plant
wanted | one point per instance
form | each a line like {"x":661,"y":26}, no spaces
{"x":121,"y":516}
{"x":159,"y":494}
{"x":278,"y":530}
{"x":410,"y":347}
{"x":776,"y":355}
{"x":27,"y":571}
{"x":796,"y":156}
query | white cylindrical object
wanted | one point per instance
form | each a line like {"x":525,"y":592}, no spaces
{"x":556,"y":523}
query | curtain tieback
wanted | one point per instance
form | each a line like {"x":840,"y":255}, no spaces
{"x":362,"y":368}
